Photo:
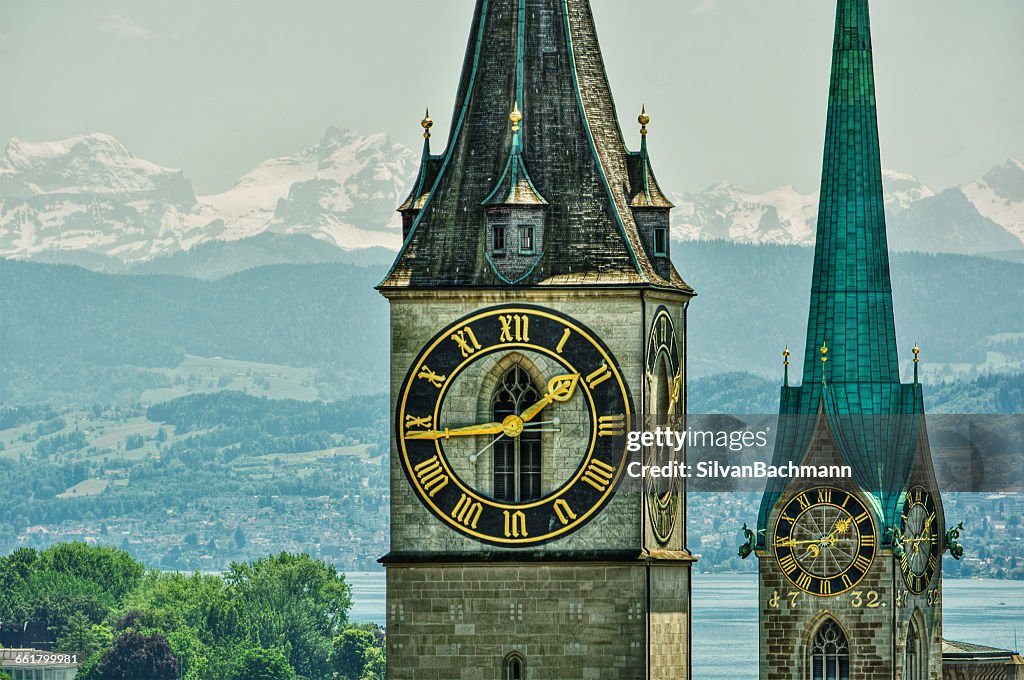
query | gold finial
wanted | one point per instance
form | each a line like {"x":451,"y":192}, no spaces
{"x":917,"y":353}
{"x":643,"y":119}
{"x":516,"y":117}
{"x":427,"y":123}
{"x":785,"y":356}
{"x":824,"y":353}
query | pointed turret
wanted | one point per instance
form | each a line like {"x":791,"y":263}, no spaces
{"x":546,"y":62}
{"x":429,"y":165}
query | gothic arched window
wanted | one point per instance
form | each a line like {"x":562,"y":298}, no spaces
{"x":513,"y":667}
{"x":916,"y":664}
{"x":516,"y":460}
{"x":830,"y":654}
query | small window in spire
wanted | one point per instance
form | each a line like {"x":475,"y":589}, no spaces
{"x":526,"y":246}
{"x":552,"y":62}
{"x":661,"y":241}
{"x":498,"y":242}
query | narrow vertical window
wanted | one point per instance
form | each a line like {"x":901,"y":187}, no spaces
{"x":517,"y":461}
{"x":498,"y":240}
{"x":514,"y":667}
{"x":830,"y":654}
{"x":526,"y":245}
{"x":660,"y":241}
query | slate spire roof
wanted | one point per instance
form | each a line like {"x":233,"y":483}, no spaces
{"x":874,"y":419}
{"x":542,"y":55}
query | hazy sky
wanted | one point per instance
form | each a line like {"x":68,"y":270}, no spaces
{"x":736,"y":88}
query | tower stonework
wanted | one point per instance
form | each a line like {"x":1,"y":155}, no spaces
{"x":850,"y":570}
{"x":535,"y":316}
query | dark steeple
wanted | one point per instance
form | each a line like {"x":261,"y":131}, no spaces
{"x":542,"y":58}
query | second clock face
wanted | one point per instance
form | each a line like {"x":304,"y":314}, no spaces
{"x":920,"y":533}
{"x":511,"y":425}
{"x":664,"y":386}
{"x":825,"y":541}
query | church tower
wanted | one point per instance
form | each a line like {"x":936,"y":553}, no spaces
{"x":535,"y":317}
{"x":850,"y":568}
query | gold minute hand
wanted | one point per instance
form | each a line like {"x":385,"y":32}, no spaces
{"x":560,"y":389}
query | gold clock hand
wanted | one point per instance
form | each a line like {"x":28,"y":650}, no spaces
{"x":469,"y":431}
{"x":560,"y":389}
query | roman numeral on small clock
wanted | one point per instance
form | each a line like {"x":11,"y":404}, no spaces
{"x":598,"y":376}
{"x":611,"y":426}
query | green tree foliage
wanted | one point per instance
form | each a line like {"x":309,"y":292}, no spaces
{"x":293,"y":602}
{"x":350,"y":653}
{"x":261,"y":664}
{"x":82,"y":636}
{"x":134,"y":656}
{"x":65,"y":582}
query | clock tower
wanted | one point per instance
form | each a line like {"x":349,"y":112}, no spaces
{"x":850,"y":568}
{"x":536,"y":317}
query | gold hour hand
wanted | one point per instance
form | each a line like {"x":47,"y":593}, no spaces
{"x":468,"y":431}
{"x":560,"y":389}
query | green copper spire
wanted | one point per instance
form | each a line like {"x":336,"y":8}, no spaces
{"x":851,"y":295}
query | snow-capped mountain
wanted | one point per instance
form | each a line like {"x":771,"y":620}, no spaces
{"x":983,"y":216}
{"x":88,"y":200}
{"x":89,"y":196}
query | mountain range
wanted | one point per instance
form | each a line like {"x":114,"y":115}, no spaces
{"x":89,"y":201}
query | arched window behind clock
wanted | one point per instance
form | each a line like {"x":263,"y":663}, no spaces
{"x":830,"y":653}
{"x":517,"y":460}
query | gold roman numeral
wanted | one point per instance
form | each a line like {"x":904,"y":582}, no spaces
{"x":788,"y":564}
{"x":599,"y":376}
{"x":861,"y":563}
{"x":824,"y":495}
{"x":787,"y":518}
{"x":466,"y":341}
{"x":467,"y":512}
{"x":824,"y":587}
{"x":515,"y":328}
{"x":515,"y":524}
{"x":611,"y":426}
{"x":867,"y":539}
{"x":847,"y":583}
{"x":599,"y":475}
{"x":564,"y":512}
{"x":803,"y":581}
{"x":664,"y":330}
{"x":431,"y":476}
{"x":431,"y":377}
{"x":905,"y":562}
{"x":412,"y":421}
{"x":803,"y":501}
{"x":932,"y":562}
{"x":565,"y":338}
{"x":861,"y":517}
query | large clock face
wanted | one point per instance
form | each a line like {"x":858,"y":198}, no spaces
{"x":825,"y":541}
{"x":920,"y":534}
{"x":511,"y":425}
{"x":664,"y":381}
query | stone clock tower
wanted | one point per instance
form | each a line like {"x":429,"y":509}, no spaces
{"x":850,"y":568}
{"x":535,"y":318}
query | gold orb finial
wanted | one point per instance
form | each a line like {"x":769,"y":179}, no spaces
{"x":917,"y":353}
{"x":824,"y":353}
{"x":427,"y":123}
{"x":785,"y":355}
{"x":643,"y":119}
{"x":516,"y":117}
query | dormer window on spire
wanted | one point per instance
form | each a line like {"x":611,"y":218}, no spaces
{"x":515,"y":215}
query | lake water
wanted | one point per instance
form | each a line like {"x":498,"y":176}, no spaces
{"x":983,"y":611}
